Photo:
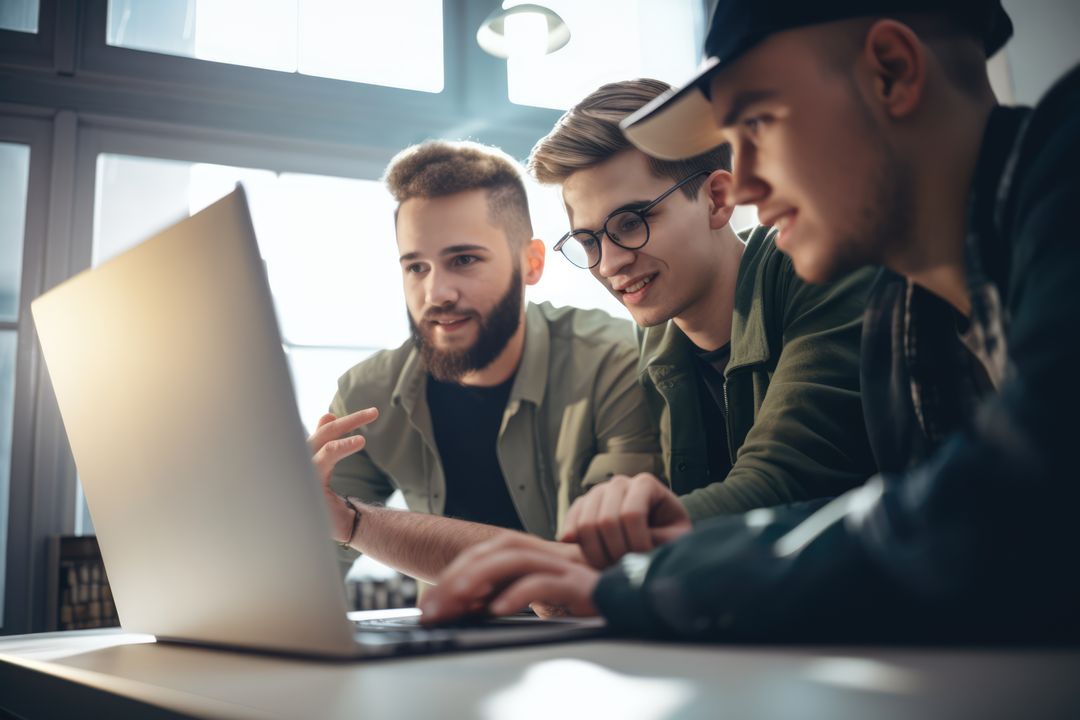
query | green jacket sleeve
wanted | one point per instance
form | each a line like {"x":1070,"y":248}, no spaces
{"x":808,"y":438}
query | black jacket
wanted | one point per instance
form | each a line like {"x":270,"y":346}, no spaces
{"x":970,"y":532}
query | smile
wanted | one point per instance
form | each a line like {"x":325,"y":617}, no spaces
{"x":783,"y":223}
{"x":629,"y":289}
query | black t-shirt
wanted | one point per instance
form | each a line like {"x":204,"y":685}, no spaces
{"x":711,"y":365}
{"x":466,"y":421}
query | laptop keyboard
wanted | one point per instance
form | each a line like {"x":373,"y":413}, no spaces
{"x":407,"y":635}
{"x":412,"y":622}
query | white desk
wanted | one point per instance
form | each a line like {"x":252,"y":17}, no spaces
{"x":110,"y":674}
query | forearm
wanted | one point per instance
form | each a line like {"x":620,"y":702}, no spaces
{"x":416,"y":544}
{"x":739,"y":494}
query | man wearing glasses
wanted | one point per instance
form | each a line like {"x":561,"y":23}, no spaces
{"x":752,"y":374}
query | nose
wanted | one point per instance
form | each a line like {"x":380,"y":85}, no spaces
{"x":748,"y":188}
{"x":613,"y":258}
{"x":440,"y":290}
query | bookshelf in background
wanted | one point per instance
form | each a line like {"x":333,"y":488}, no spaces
{"x":79,"y":595}
{"x":381,"y":593}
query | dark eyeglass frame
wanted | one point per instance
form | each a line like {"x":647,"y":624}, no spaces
{"x":641,"y":213}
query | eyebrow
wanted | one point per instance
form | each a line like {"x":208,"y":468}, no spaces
{"x":742,"y":101}
{"x":451,"y":250}
{"x":632,"y":205}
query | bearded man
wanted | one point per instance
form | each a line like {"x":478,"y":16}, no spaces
{"x":496,"y":413}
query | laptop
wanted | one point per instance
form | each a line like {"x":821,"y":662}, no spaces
{"x":178,"y":403}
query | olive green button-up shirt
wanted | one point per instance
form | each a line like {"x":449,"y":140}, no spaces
{"x":576,"y":415}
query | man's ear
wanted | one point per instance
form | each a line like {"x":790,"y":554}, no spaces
{"x":896,"y":60}
{"x":533,"y":254}
{"x":718,"y":187}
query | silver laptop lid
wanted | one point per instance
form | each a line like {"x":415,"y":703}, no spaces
{"x":169,"y":371}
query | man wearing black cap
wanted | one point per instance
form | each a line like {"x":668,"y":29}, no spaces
{"x":868,"y":134}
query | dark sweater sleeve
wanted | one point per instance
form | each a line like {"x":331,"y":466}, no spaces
{"x":773,"y":573}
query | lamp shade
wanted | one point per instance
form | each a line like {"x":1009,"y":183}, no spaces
{"x":494,"y":38}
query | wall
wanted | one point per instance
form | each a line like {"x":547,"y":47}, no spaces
{"x":1046,"y":43}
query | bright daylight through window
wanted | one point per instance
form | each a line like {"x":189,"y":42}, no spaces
{"x":338,"y":39}
{"x":14,"y":179}
{"x":330,"y":254}
{"x":19,"y":15}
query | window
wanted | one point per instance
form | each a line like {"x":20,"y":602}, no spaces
{"x":14,"y":179}
{"x":14,"y":176}
{"x":398,"y":44}
{"x":330,"y":253}
{"x":19,"y":15}
{"x":327,"y":243}
{"x":610,"y":40}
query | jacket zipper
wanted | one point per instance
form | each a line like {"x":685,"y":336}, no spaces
{"x":727,"y":426}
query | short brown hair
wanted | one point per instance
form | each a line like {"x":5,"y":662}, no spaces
{"x":438,"y":167}
{"x":589,"y":134}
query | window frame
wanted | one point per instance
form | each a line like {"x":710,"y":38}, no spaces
{"x":191,"y":145}
{"x":263,"y":90}
{"x":30,"y":517}
{"x":72,"y":65}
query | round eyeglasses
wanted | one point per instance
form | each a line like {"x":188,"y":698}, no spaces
{"x":626,"y":227}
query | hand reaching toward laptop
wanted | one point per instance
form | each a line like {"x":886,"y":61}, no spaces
{"x":328,"y":446}
{"x":416,"y":544}
{"x":623,"y":515}
{"x":512,"y":570}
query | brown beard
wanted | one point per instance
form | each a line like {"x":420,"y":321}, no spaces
{"x":495,"y":330}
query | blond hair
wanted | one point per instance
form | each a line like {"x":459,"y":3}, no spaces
{"x":589,"y":134}
{"x":437,"y":168}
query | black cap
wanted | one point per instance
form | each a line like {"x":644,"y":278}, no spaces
{"x":679,"y":123}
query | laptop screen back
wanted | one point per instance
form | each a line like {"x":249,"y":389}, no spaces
{"x":173,"y":386}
